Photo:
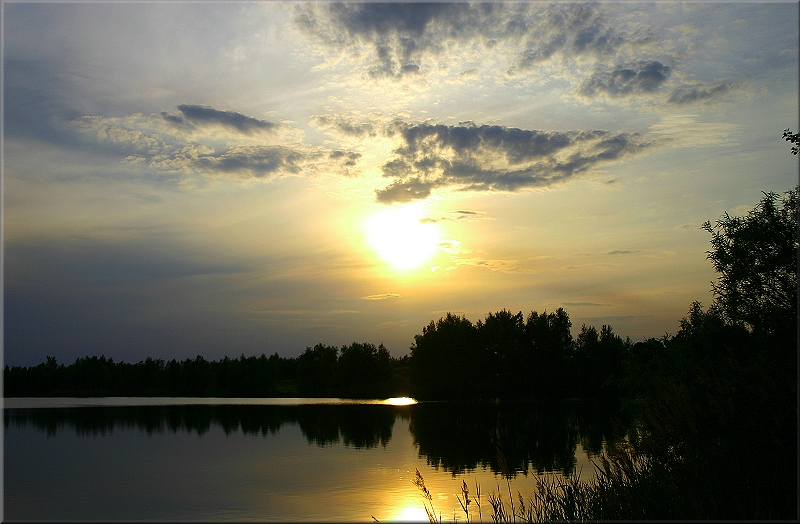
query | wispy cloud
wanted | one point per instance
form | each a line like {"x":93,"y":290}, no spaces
{"x":458,"y":214}
{"x":381,"y":296}
{"x":203,"y":141}
{"x":687,"y":129}
{"x":700,"y":93}
{"x":585,"y":304}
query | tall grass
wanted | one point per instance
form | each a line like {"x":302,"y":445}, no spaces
{"x":629,"y":484}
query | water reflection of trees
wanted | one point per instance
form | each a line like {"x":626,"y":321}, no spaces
{"x":541,"y":436}
{"x":456,"y":436}
{"x":359,"y":426}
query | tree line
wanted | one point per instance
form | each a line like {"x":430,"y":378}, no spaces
{"x":358,"y":370}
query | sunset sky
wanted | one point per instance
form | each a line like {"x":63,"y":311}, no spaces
{"x":219,"y":179}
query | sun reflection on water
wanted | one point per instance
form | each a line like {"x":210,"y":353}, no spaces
{"x":411,"y":514}
{"x":400,"y":401}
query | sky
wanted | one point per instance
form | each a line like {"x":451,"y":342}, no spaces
{"x":218,"y":179}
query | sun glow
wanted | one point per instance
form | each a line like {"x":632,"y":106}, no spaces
{"x":414,"y":513}
{"x":400,"y":401}
{"x":400,"y":236}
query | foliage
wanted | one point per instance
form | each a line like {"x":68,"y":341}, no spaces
{"x":502,"y":356}
{"x":551,"y":348}
{"x":100,"y":376}
{"x":598,"y":361}
{"x":363,"y":371}
{"x":444,"y":358}
{"x":756,"y":256}
{"x":316,"y":369}
{"x":792,"y":138}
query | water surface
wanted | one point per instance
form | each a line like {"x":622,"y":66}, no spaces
{"x":279,"y":459}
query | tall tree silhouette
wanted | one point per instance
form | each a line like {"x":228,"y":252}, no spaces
{"x":756,"y":256}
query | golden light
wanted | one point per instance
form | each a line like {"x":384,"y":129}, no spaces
{"x":401,"y":237}
{"x":415,"y":513}
{"x":400,"y":401}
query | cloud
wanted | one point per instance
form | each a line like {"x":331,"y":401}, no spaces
{"x":615,"y":318}
{"x":691,"y":94}
{"x":399,"y":40}
{"x":397,"y":33}
{"x":686,"y":129}
{"x":621,"y":252}
{"x":402,"y":192}
{"x":381,"y":296}
{"x":191,"y":144}
{"x":458,"y":214}
{"x":203,"y":115}
{"x":585,"y":304}
{"x":571,"y":31}
{"x":494,"y":158}
{"x":344,"y":125}
{"x":645,"y":77}
{"x":396,"y":40}
{"x":253,"y":161}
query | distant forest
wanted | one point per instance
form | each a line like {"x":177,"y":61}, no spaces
{"x":503,"y":356}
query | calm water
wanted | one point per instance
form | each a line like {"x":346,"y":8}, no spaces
{"x":279,"y":459}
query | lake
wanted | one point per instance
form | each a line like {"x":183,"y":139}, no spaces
{"x":283,"y":459}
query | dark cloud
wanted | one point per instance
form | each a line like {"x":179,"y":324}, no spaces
{"x":401,"y":34}
{"x":203,"y":115}
{"x":408,"y":191}
{"x":621,"y":252}
{"x":254,"y":161}
{"x":645,"y":77}
{"x":493,"y":158}
{"x":572,"y":30}
{"x":349,"y":158}
{"x":688,"y":95}
{"x":376,"y":19}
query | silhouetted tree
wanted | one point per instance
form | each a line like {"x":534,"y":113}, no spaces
{"x":363,"y":371}
{"x":505,"y":355}
{"x":792,"y":138}
{"x":316,"y":370}
{"x":598,"y":361}
{"x":444,"y":360}
{"x":552,"y":346}
{"x":756,"y":256}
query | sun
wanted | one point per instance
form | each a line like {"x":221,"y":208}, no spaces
{"x":401,"y":237}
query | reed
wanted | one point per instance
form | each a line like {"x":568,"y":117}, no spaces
{"x":628,"y":485}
